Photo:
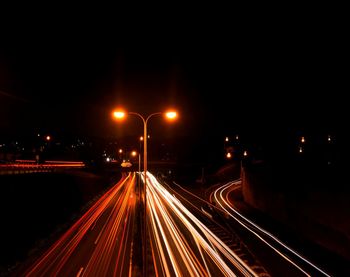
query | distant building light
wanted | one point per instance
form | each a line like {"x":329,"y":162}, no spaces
{"x":303,"y":139}
{"x":228,"y":155}
{"x":245,"y":153}
{"x":108,"y":159}
{"x":226,"y":138}
{"x":300,"y":150}
{"x":237,"y":137}
{"x":329,"y":138}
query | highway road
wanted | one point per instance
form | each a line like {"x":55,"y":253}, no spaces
{"x":186,"y":236}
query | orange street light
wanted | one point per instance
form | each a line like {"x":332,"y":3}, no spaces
{"x":119,"y":114}
{"x":171,"y":115}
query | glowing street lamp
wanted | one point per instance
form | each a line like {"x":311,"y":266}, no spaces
{"x":170,"y":115}
{"x":119,"y":114}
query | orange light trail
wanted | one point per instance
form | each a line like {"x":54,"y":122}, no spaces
{"x":94,"y":246}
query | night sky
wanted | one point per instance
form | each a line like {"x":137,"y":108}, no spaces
{"x":225,"y":72}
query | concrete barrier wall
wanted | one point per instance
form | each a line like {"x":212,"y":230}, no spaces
{"x":320,"y":213}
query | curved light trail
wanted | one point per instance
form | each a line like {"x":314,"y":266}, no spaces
{"x":221,"y":196}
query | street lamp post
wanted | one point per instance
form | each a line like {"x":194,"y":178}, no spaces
{"x":169,"y":115}
{"x":140,"y":140}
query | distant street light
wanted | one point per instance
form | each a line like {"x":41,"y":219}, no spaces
{"x":120,"y":151}
{"x":170,"y":115}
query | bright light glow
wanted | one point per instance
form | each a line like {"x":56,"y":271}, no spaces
{"x":120,"y":150}
{"x":226,"y":139}
{"x":48,"y":137}
{"x":133,"y":153}
{"x":228,"y":155}
{"x":302,"y":139}
{"x":119,"y":114}
{"x":245,"y":153}
{"x":171,"y":115}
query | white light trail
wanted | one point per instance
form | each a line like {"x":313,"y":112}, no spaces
{"x":254,"y":228}
{"x":184,"y":244}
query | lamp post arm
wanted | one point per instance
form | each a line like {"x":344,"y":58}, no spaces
{"x":140,"y":116}
{"x":152,"y":114}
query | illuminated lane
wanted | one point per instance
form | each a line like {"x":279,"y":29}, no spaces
{"x":100,"y":242}
{"x":181,"y":244}
{"x":221,"y":197}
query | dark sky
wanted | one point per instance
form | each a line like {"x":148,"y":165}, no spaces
{"x":65,"y":71}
